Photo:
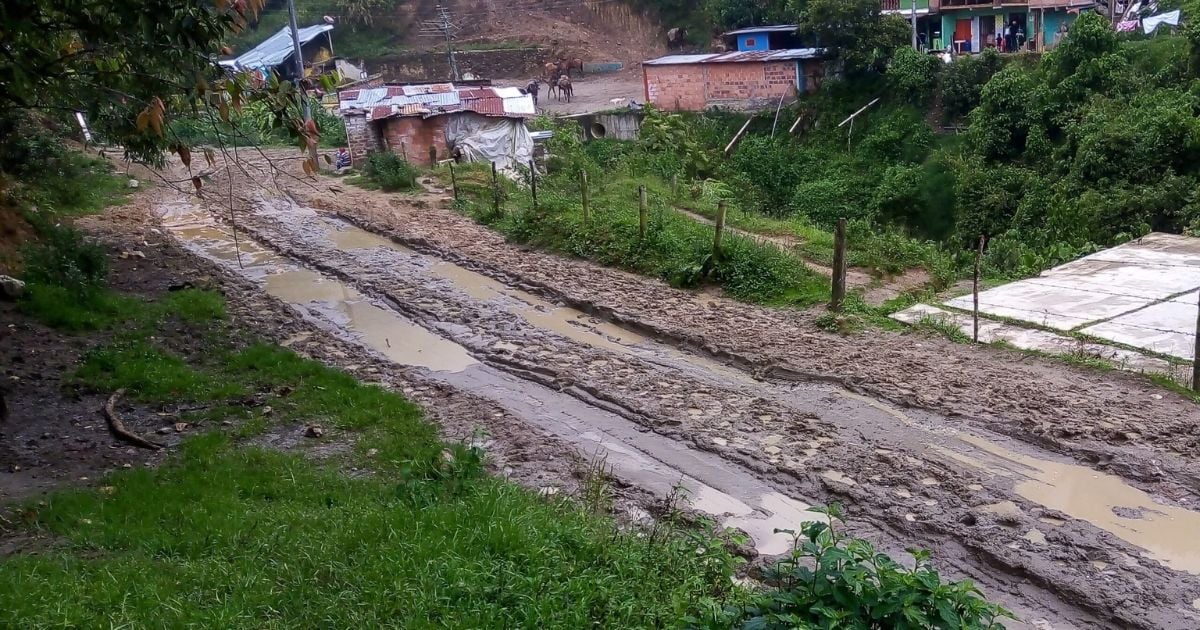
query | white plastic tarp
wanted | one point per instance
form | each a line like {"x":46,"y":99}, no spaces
{"x":504,"y":141}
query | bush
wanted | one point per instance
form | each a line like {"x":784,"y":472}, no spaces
{"x":65,"y":258}
{"x":963,"y":81}
{"x":390,"y":172}
{"x":913,"y":74}
{"x":833,"y":581}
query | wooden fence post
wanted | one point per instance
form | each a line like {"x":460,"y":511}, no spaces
{"x":674,"y":187}
{"x":975,"y":289}
{"x":583,"y":187}
{"x":642,"y":211}
{"x":1196,"y":357}
{"x":495,"y":189}
{"x":454,"y":181}
{"x":533,"y":182}
{"x":720,"y":229}
{"x":839,"y":267}
{"x":432,"y":155}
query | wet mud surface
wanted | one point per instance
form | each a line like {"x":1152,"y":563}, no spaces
{"x":1022,"y":520}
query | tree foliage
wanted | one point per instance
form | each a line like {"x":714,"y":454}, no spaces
{"x":855,"y":30}
{"x":131,"y":66}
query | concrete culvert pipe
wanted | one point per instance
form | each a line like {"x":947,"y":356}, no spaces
{"x":598,"y":130}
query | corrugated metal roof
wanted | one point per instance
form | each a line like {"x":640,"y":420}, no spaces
{"x":278,"y":47}
{"x":786,"y":54}
{"x":776,"y":28}
{"x":436,"y":99}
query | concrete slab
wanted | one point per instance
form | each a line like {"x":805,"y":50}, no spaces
{"x":1167,"y":327}
{"x":1058,"y":306}
{"x":1142,"y":293}
{"x":991,"y":331}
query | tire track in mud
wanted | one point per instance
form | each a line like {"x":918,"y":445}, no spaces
{"x":881,"y":476}
{"x":1047,"y":404}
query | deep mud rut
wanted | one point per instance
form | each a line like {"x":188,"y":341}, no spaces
{"x":1063,"y":493}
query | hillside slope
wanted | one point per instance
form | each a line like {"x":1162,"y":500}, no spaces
{"x":593,"y":30}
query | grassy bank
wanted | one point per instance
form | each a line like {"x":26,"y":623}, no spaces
{"x":230,"y":535}
{"x":675,"y":248}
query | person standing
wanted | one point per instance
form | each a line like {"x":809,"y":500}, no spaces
{"x":1007,"y":40}
{"x":1020,"y":37}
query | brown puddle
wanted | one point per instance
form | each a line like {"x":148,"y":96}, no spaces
{"x":395,"y":337}
{"x":1168,"y":533}
{"x":563,"y":320}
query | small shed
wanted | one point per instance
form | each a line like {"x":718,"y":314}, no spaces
{"x":437,"y":121}
{"x":274,"y":55}
{"x":733,"y":80}
{"x":775,"y":37}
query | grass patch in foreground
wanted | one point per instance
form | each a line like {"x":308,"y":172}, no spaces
{"x":227,"y":537}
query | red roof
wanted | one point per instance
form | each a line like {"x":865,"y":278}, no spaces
{"x":348,"y":95}
{"x":382,"y":111}
{"x":395,"y":91}
{"x":490,"y":106}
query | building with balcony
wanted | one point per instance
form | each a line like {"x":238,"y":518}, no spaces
{"x":970,"y":26}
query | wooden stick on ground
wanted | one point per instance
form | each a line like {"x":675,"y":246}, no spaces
{"x":118,"y":428}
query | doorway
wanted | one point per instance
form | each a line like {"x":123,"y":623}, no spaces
{"x":987,"y":33}
{"x":962,"y":36}
{"x":1020,"y":34}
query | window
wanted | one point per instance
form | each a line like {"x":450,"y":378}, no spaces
{"x":750,"y":42}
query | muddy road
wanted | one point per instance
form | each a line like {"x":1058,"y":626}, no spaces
{"x":1065,"y":494}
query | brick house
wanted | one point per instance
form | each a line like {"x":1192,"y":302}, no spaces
{"x":739,"y":80}
{"x":425,"y":123}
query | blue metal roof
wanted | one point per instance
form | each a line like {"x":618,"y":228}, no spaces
{"x":278,"y":47}
{"x":776,"y":28}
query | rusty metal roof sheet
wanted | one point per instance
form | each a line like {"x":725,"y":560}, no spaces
{"x":750,"y":56}
{"x":435,"y":99}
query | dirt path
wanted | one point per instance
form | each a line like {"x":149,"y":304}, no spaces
{"x":998,"y":510}
{"x":593,"y":93}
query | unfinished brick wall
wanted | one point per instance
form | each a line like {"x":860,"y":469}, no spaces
{"x":678,"y":87}
{"x":362,"y":137}
{"x":694,"y":87}
{"x":412,"y":136}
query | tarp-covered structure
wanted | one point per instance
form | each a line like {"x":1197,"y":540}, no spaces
{"x":483,"y":124}
{"x":275,"y":50}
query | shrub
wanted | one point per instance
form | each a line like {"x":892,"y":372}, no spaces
{"x":963,"y":81}
{"x":390,"y":171}
{"x":833,"y":581}
{"x":913,"y":74}
{"x":65,"y":258}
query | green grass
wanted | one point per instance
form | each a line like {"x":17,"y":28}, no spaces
{"x":66,"y":310}
{"x":675,"y":248}
{"x":229,"y":536}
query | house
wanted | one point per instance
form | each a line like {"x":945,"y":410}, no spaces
{"x":769,"y":66}
{"x":431,"y":122}
{"x":733,"y":80}
{"x":929,"y":24}
{"x":970,"y":26}
{"x":274,"y":55}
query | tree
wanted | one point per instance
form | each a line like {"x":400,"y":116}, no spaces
{"x":855,"y":30}
{"x":129,"y":65}
{"x":733,"y":14}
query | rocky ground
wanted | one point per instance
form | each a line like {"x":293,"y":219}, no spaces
{"x":968,"y":451}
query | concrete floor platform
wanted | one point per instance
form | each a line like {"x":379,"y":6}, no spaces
{"x":1142,"y":294}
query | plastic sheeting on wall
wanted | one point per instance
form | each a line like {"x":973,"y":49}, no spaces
{"x":504,"y":141}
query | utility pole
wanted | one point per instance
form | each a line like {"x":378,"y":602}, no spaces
{"x":445,"y":28}
{"x":303,"y":96}
{"x":913,"y":15}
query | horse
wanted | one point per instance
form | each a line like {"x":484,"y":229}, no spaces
{"x":552,"y":90}
{"x":565,"y":88}
{"x":550,"y":72}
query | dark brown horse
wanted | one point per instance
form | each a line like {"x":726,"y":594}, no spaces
{"x":565,"y":88}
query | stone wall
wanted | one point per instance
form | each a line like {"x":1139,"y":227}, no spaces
{"x":363,"y":137}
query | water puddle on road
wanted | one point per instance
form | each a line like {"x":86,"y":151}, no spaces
{"x":392,"y":335}
{"x":1169,"y":534}
{"x":565,"y":321}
